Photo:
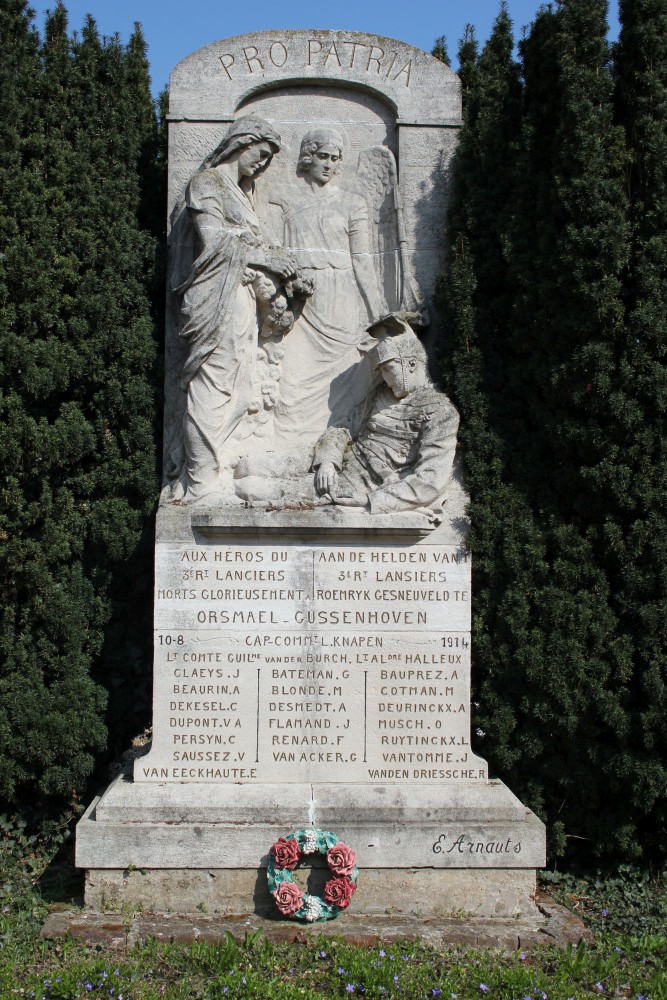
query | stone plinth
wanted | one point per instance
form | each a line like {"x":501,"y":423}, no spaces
{"x":215,"y":826}
{"x":348,"y":713}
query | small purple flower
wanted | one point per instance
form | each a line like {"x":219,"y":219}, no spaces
{"x":483,"y":988}
{"x":323,"y":954}
{"x":349,"y":988}
{"x":341,"y":970}
{"x":617,"y":950}
{"x":245,"y":984}
{"x":382,"y":953}
{"x":435,"y":992}
{"x":599,"y":987}
{"x":405,"y":958}
{"x":522,"y":957}
{"x":605,"y":912}
{"x":395,"y":979}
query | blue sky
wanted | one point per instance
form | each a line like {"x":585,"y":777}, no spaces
{"x":174,"y":28}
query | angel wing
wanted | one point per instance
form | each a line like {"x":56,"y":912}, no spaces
{"x":377,"y":183}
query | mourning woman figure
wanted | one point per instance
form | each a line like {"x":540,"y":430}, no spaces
{"x":218,"y":307}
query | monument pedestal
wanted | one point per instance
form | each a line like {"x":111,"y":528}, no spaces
{"x":445,"y":852}
{"x":337,"y":698}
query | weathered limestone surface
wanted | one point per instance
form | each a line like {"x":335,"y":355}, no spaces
{"x":366,"y":226}
{"x":313,"y":586}
{"x":415,"y":892}
{"x":157,"y":826}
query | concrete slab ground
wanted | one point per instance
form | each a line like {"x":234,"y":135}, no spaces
{"x":550,"y":924}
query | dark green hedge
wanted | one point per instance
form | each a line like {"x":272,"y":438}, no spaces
{"x":78,"y":267}
{"x":555,"y":320}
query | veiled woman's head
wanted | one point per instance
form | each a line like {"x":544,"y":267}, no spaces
{"x":247,"y":139}
{"x":321,"y":154}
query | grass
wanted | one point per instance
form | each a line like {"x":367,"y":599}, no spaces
{"x":626,"y":911}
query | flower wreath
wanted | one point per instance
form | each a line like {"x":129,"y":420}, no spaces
{"x":290,"y":899}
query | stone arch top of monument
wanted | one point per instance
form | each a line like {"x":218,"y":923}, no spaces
{"x":212,"y":83}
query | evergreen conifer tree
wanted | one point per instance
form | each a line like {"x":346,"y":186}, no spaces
{"x":439,"y":50}
{"x":635,"y":485}
{"x":570,"y":251}
{"x":76,"y":426}
{"x":536,"y":364}
{"x":475,"y":298}
{"x":51,"y":709}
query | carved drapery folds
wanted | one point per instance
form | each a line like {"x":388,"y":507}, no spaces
{"x":288,"y":265}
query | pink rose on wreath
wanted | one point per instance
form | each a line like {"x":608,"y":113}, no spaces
{"x":286,"y":853}
{"x":288,"y":898}
{"x":341,"y":859}
{"x":339,"y":892}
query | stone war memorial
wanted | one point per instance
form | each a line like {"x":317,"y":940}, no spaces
{"x":312,"y":586}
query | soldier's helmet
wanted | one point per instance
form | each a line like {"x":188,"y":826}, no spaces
{"x":396,"y":342}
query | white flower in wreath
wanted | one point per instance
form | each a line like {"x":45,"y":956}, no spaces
{"x":310,"y":842}
{"x":313,"y":908}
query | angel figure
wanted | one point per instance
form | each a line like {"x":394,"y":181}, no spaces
{"x":326,"y":230}
{"x":346,"y":240}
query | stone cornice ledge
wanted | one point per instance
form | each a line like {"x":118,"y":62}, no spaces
{"x":323,"y":520}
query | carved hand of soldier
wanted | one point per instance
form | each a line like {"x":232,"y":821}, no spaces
{"x":356,"y":500}
{"x":326,"y":479}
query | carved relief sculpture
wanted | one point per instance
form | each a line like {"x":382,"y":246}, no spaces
{"x":229,"y":290}
{"x":285,"y":345}
{"x":402,"y":457}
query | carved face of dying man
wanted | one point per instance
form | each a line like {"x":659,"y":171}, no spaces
{"x":397,"y":375}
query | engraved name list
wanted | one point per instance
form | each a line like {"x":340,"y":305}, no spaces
{"x":307,"y":663}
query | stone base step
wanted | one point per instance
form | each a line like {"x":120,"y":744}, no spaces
{"x":551,"y":924}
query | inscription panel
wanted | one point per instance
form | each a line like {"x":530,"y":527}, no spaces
{"x":309,"y":663}
{"x":220,"y":76}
